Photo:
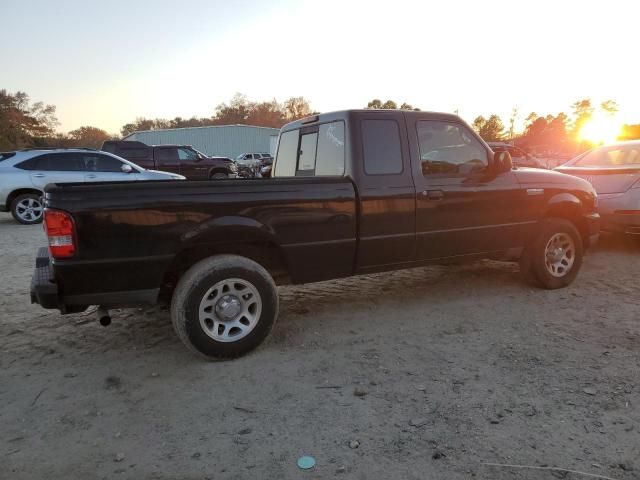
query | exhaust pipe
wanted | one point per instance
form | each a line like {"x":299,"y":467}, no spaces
{"x":103,"y":316}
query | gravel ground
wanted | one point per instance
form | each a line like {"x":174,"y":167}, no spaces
{"x":426,"y":373}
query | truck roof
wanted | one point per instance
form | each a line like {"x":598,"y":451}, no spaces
{"x":344,"y":114}
{"x":136,"y":143}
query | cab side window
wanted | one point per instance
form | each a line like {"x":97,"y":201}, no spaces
{"x":186,"y":155}
{"x":449,"y":149}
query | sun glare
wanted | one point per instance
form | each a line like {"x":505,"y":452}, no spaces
{"x":600,"y":129}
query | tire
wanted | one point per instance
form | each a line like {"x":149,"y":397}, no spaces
{"x":219,"y":176}
{"x":27,"y":208}
{"x":216,"y":318}
{"x":554,"y":258}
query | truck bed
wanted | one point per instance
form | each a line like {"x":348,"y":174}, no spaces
{"x":309,"y":223}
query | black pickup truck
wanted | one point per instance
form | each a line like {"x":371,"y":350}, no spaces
{"x":352,"y":192}
{"x":182,"y":159}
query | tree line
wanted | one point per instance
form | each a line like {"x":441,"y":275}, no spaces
{"x":24,"y":123}
{"x":559,"y":132}
{"x":33,"y":124}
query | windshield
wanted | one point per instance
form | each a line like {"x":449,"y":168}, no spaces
{"x":610,"y":157}
{"x":5,"y":155}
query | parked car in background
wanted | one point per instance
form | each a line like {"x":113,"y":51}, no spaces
{"x":614,"y":171}
{"x":353,"y":192}
{"x":266,"y":166}
{"x":181,"y":159}
{"x":251,"y":164}
{"x":24,"y":174}
{"x":519,"y":157}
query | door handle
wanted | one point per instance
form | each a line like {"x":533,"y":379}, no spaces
{"x":38,"y":175}
{"x":433,"y":194}
{"x":91,"y":175}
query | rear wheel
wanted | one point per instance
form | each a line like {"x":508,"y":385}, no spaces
{"x":27,"y":209}
{"x":224,"y":306}
{"x":219,"y":176}
{"x":554,"y":258}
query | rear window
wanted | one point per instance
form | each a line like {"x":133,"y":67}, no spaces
{"x":318,"y":151}
{"x":287,"y":156}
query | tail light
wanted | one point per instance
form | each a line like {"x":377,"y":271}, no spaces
{"x":61,"y":233}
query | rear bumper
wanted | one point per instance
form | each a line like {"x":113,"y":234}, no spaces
{"x":46,"y":292}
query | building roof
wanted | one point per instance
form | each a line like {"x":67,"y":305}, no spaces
{"x":204,"y":127}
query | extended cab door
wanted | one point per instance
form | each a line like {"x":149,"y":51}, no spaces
{"x":463,"y":205}
{"x":386,"y":191}
{"x":191,"y":165}
{"x":166,"y":159}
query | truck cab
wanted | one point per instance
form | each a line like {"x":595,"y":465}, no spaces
{"x":429,"y":187}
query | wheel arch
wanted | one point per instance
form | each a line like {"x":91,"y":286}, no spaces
{"x":569,"y":207}
{"x":218,"y":169}
{"x":230,"y":235}
{"x":21,"y":191}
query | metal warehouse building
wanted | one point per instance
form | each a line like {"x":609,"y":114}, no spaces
{"x":224,"y":140}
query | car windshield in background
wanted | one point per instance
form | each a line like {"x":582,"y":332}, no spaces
{"x":610,"y":157}
{"x":5,"y":155}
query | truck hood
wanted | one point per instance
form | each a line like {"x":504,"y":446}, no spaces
{"x":608,"y":179}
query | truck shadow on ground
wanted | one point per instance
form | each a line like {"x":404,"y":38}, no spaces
{"x":302,"y":305}
{"x":150,"y":329}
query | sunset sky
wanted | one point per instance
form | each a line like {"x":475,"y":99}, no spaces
{"x":105,"y":63}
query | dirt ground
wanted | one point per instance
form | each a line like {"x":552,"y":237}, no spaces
{"x":431,"y":373}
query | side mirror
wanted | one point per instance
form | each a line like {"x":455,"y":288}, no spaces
{"x":126,"y":168}
{"x":502,"y":162}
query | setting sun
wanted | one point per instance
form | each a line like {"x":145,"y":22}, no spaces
{"x":601,"y":129}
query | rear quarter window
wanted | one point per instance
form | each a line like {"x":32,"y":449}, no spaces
{"x":330,"y":159}
{"x":381,"y":147}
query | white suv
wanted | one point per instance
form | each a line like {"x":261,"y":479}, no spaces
{"x":25,"y":173}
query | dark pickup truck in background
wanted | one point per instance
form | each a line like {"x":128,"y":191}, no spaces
{"x":182,"y":159}
{"x":352,"y":192}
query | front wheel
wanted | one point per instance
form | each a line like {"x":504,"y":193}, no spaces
{"x":554,"y":258}
{"x":27,"y":209}
{"x":224,"y":306}
{"x":219,"y":176}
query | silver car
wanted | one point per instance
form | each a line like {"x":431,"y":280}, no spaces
{"x":25,"y":173}
{"x":614,"y":171}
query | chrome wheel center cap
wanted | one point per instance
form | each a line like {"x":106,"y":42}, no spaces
{"x":228,"y":307}
{"x":556,"y":254}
